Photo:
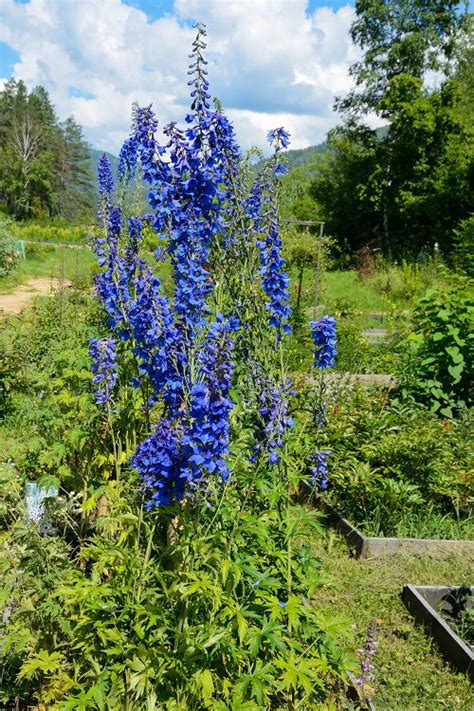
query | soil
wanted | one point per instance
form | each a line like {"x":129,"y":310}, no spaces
{"x":22,"y":296}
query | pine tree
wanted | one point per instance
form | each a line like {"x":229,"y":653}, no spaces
{"x":75,"y":187}
{"x":44,"y":165}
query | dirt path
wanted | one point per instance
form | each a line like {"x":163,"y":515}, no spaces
{"x":23,"y":294}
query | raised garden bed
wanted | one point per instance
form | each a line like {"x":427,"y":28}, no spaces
{"x":422,"y":601}
{"x":374,"y":546}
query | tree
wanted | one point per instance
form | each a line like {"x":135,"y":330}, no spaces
{"x":406,"y":190}
{"x":25,"y":139}
{"x":346,"y":186}
{"x":75,"y":188}
{"x":44,"y":165}
{"x":409,"y":187}
{"x":399,"y":37}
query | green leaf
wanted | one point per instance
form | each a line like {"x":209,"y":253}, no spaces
{"x":455,"y":354}
{"x":206,"y":684}
{"x":214,"y":639}
{"x":41,"y":662}
{"x":455,"y":372}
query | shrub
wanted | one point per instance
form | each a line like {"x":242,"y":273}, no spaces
{"x":394,"y":461}
{"x":463,"y":255}
{"x":436,"y":365}
{"x":8,"y":253}
{"x":59,"y":234}
{"x":404,"y":282}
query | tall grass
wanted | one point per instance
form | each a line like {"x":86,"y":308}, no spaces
{"x":419,"y":523}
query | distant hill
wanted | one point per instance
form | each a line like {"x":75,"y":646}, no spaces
{"x":303,"y":156}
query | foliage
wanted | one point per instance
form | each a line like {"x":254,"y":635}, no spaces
{"x":296,"y":203}
{"x":464,"y":246}
{"x":408,"y":190}
{"x":307,"y":252}
{"x":50,"y":232}
{"x":44,"y":164}
{"x":8,"y":254}
{"x":121,"y":598}
{"x":436,"y":363}
{"x":356,"y":352}
{"x":399,"y":37}
{"x":406,"y":282}
{"x":394,"y":464}
{"x":457,"y":609}
{"x":408,"y":187}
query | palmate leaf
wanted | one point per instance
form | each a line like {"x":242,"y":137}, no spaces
{"x":83,"y":702}
{"x":300,"y":673}
{"x":270,"y":635}
{"x":258,"y":685}
{"x":42,"y":662}
{"x":214,"y":639}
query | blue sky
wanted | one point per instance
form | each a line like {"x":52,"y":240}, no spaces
{"x":271,"y":62}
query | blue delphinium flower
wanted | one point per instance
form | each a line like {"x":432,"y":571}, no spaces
{"x":275,"y":280}
{"x":319,"y":469}
{"x":104,"y":172}
{"x":158,"y":460}
{"x":323,"y":333}
{"x":262,"y":209}
{"x":279,"y":138}
{"x":208,"y":437}
{"x":104,"y":368}
{"x":275,"y":421}
{"x":128,"y":157}
{"x":197,"y":199}
{"x":156,"y":340}
{"x":179,"y":457}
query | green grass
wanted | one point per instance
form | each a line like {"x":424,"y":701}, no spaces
{"x":341,"y":291}
{"x":361,"y":294}
{"x":425,"y":523}
{"x":410,"y":673}
{"x":51,"y":262}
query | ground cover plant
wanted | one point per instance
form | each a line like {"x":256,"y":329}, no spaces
{"x":61,"y":233}
{"x":179,"y":572}
{"x":397,"y":469}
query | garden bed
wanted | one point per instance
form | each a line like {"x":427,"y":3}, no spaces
{"x":422,"y":602}
{"x":374,"y":546}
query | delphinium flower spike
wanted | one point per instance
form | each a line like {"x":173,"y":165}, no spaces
{"x":366,"y":677}
{"x":262,"y":209}
{"x":319,"y":469}
{"x":323,"y":333}
{"x":104,"y":368}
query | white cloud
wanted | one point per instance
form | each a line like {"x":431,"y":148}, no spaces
{"x":270,"y":62}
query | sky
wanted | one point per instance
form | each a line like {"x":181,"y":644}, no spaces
{"x":271,"y":62}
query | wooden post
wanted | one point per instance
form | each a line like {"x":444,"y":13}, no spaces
{"x":317,"y":284}
{"x":319,"y":241}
